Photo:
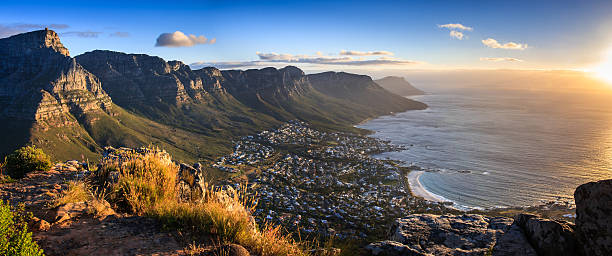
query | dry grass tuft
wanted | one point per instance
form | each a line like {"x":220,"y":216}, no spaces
{"x":146,"y":185}
{"x":81,"y":191}
{"x":78,"y":191}
{"x":142,"y":181}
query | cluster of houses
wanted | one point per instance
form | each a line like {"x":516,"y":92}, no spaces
{"x":327,"y":184}
{"x":246,"y":152}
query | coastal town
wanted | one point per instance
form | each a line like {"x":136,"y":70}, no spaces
{"x":324,"y":184}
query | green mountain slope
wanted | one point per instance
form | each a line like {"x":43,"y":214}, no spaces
{"x":73,"y":107}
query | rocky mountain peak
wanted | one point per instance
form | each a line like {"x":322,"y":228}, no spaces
{"x":40,"y":39}
{"x":292,"y":71}
{"x":40,"y":81}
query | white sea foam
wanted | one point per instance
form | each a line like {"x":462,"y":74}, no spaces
{"x":418,"y":190}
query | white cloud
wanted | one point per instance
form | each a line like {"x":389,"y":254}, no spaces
{"x":456,"y":26}
{"x":330,"y":60}
{"x":492,"y":43}
{"x":358,"y":53}
{"x":496,"y":59}
{"x":267,"y":59}
{"x":119,"y":34}
{"x":456,"y":34}
{"x":179,"y":39}
{"x":85,"y":34}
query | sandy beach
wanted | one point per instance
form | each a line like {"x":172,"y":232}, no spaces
{"x":418,"y":189}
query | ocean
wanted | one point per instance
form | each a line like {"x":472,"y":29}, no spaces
{"x":486,"y":148}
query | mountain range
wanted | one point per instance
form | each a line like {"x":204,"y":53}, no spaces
{"x":74,"y":106}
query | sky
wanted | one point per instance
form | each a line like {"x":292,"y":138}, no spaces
{"x":361,"y":36}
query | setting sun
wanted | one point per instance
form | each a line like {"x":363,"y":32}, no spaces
{"x":604,"y":70}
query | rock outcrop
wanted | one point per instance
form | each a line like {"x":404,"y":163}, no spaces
{"x":191,"y":185}
{"x":528,"y":235}
{"x":513,"y":242}
{"x":40,"y":81}
{"x":594,"y":217}
{"x":531,"y":235}
{"x":427,"y":234}
{"x":591,"y":235}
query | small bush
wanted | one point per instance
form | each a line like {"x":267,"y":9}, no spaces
{"x":14,"y":236}
{"x":26,"y":159}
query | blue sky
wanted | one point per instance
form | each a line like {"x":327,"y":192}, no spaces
{"x":558,"y":34}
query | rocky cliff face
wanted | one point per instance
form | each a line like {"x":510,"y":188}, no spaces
{"x":40,"y":81}
{"x":133,"y":79}
{"x":282,"y":83}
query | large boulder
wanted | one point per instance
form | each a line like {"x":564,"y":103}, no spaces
{"x":513,"y":243}
{"x":424,"y":234}
{"x":594,"y":217}
{"x":530,"y":234}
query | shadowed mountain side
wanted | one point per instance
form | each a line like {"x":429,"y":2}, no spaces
{"x":361,"y":90}
{"x":231,"y":102}
{"x":171,"y":93}
{"x":64,"y":105}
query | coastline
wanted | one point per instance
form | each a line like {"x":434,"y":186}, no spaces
{"x":417,"y":189}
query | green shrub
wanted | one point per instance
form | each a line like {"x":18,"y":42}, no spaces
{"x":26,"y":159}
{"x":14,"y":236}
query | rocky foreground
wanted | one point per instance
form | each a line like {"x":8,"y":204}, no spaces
{"x":426,"y":234}
{"x":84,"y":228}
{"x":70,"y":229}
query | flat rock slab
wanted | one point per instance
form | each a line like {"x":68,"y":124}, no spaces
{"x":428,"y":234}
